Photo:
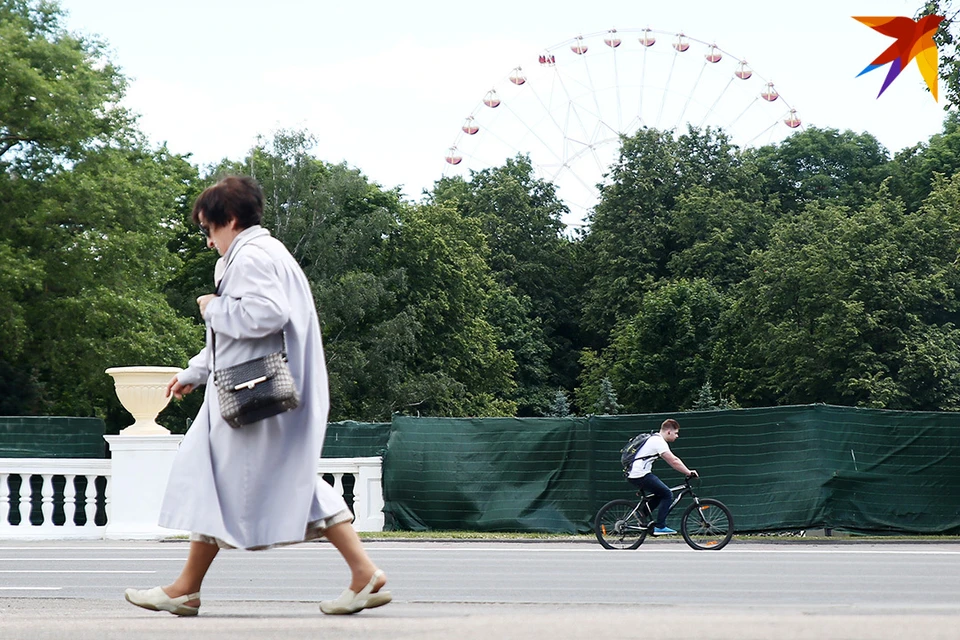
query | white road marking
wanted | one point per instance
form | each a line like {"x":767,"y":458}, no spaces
{"x":68,"y":571}
{"x":579,"y":548}
{"x":92,"y":559}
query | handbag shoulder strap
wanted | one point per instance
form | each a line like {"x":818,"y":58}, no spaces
{"x":213,"y":334}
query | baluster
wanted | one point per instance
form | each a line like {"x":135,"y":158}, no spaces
{"x":46,"y":500}
{"x":4,"y":500}
{"x":107,"y":494}
{"x":69,"y":501}
{"x":361,"y":501}
{"x":338,"y":483}
{"x":90,"y":500}
{"x":26,"y":493}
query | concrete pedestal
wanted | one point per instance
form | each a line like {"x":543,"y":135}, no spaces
{"x":140,"y":470}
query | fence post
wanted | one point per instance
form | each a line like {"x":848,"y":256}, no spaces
{"x":368,"y":496}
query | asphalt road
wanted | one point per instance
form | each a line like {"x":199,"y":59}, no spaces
{"x":496,"y":590}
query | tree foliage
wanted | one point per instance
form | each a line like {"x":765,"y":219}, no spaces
{"x":662,"y":210}
{"x":659,"y":358}
{"x":59,"y":93}
{"x":606,"y":404}
{"x":533,"y":263}
{"x":823,"y":165}
{"x":850,"y":307}
{"x":83,"y":244}
{"x":560,"y":407}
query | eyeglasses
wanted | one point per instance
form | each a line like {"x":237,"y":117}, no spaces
{"x":205,"y":230}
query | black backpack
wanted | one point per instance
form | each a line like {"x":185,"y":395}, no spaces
{"x":629,"y":452}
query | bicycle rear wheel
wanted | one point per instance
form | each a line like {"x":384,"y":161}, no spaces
{"x":618,"y":525}
{"x":707,"y":525}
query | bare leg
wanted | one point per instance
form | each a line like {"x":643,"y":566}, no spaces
{"x":191,"y":576}
{"x":347,"y":542}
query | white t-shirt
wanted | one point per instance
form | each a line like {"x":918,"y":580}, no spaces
{"x":655,"y":444}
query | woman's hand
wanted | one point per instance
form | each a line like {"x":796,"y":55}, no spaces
{"x":203,"y":301}
{"x":178,"y":390}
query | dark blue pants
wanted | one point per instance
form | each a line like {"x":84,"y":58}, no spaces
{"x":662,"y":496}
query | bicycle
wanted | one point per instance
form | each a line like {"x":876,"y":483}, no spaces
{"x":707,"y":524}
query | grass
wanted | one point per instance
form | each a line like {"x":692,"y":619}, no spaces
{"x":470,"y":535}
{"x":589,"y":537}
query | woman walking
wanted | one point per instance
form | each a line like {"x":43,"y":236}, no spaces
{"x":255,"y":486}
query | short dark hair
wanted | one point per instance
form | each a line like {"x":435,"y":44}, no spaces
{"x":670,"y":423}
{"x":234,"y":197}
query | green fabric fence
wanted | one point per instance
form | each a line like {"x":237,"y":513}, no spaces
{"x":51,"y":437}
{"x":776,"y":469}
{"x":489,"y":474}
{"x":349,"y":439}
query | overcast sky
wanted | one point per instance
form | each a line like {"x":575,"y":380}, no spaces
{"x":385,"y":86}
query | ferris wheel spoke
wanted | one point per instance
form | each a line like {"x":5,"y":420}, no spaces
{"x":566,"y":169}
{"x":643,"y":83}
{"x":503,"y":141}
{"x":571,"y":106}
{"x":633,"y":124}
{"x":593,"y":89}
{"x":709,"y":111}
{"x":616,"y":84}
{"x":753,"y":102}
{"x":767,"y":130}
{"x":583,"y":128}
{"x":666,"y":89}
{"x":690,"y":96}
{"x":533,"y":132}
{"x":547,"y":109}
{"x":593,"y":146}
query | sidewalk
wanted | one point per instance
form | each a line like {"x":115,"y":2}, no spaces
{"x":97,"y":620}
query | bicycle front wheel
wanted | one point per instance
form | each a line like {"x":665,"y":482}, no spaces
{"x":707,"y":525}
{"x":618,"y":525}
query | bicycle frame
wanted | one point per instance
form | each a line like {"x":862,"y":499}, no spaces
{"x":678,"y":492}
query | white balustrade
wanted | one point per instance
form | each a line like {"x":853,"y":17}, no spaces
{"x":20,"y":502}
{"x":82,"y":503}
{"x":367,"y":487}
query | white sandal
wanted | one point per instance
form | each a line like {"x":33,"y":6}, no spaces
{"x":156,"y":599}
{"x":350,"y":602}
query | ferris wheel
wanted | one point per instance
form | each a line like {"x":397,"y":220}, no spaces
{"x":568,"y":107}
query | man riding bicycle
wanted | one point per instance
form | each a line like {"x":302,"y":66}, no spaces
{"x":640,"y":475}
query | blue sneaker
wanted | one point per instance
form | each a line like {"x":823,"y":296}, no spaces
{"x":663,"y":531}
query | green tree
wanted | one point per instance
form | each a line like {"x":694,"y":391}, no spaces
{"x":661,"y":208}
{"x":606,"y":404}
{"x":560,"y":407}
{"x":534,"y":262}
{"x":823,"y":165}
{"x":914,"y":168}
{"x":59,"y":93}
{"x":87,"y":212}
{"x":716,"y":233}
{"x":403,"y":291}
{"x":461,"y":370}
{"x":98,"y":236}
{"x":661,"y":357}
{"x":850,"y":307}
{"x":708,"y":400}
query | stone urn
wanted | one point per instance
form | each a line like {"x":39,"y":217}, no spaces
{"x":142,"y":392}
